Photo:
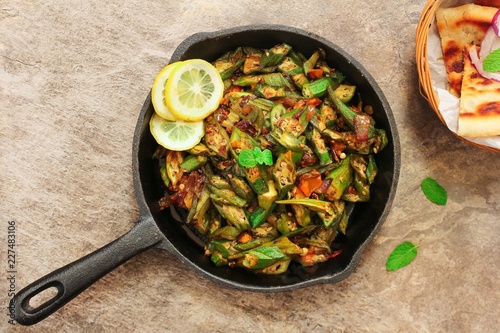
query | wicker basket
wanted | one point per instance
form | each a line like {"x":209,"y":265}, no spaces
{"x":425,"y":82}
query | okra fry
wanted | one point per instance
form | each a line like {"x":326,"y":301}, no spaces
{"x":284,"y":158}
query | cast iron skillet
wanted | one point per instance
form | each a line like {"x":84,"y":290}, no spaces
{"x":165,"y":230}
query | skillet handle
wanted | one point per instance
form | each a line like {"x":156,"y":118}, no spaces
{"x":72,"y":279}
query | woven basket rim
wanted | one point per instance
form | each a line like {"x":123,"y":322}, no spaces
{"x":425,"y":83}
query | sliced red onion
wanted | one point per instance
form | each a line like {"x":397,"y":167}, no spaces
{"x":495,"y":23}
{"x":478,"y":64}
{"x":487,"y":43}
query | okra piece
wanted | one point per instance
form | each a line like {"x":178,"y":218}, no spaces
{"x":327,"y":113}
{"x":261,"y":257}
{"x":345,"y":92}
{"x":173,"y":162}
{"x":332,"y":220}
{"x":248,"y":80}
{"x":321,"y":206}
{"x":258,"y":216}
{"x":218,"y":259}
{"x":347,"y":113}
{"x":341,"y":178}
{"x":227,"y":232}
{"x":274,"y":56}
{"x":344,"y":221}
{"x":193,"y":162}
{"x":241,"y":188}
{"x":276,"y":112}
{"x":164,"y":176}
{"x":277,"y":268}
{"x":278,"y":80}
{"x":234,"y":215}
{"x":198,"y":211}
{"x":267,"y":199}
{"x":294,"y":122}
{"x":252,"y":61}
{"x":216,"y":138}
{"x":293,"y":68}
{"x":265,"y":230}
{"x":227,"y":196}
{"x":286,"y":223}
{"x":287,"y":140}
{"x":362,"y":187}
{"x":199,"y":149}
{"x":251,"y":244}
{"x":313,"y":59}
{"x":317,"y":88}
{"x":284,"y":174}
{"x":380,"y":140}
{"x":302,"y":215}
{"x":371,"y":169}
{"x":269,"y":92}
{"x":229,"y":62}
{"x":319,"y":146}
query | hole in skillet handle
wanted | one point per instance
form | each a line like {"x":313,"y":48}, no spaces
{"x":44,"y":297}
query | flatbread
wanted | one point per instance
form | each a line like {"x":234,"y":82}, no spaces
{"x":458,"y":27}
{"x":479,"y":103}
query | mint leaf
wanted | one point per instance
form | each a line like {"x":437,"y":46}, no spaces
{"x":247,"y":158}
{"x":434,"y":191}
{"x":259,"y":156}
{"x":491,"y":63}
{"x":402,"y":255}
{"x":267,"y":157}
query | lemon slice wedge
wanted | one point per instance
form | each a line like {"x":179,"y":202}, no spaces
{"x":193,"y":90}
{"x":158,"y":92}
{"x":176,"y":135}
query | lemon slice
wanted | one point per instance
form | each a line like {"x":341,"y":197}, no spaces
{"x":193,"y":90}
{"x":176,"y":135}
{"x":158,"y":92}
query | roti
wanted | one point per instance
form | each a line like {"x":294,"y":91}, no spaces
{"x":479,"y":103}
{"x":458,"y":27}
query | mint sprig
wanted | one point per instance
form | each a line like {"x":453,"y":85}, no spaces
{"x":250,"y":158}
{"x":434,"y":191}
{"x":491,"y":62}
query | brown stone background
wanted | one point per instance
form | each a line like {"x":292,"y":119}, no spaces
{"x":73,"y":77}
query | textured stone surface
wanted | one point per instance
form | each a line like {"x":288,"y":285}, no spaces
{"x":73,"y":77}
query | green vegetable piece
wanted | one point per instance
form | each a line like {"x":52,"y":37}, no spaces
{"x":227,"y":196}
{"x":275,"y":56}
{"x":434,"y":191}
{"x":325,"y":207}
{"x":284,"y":174}
{"x":216,"y":138}
{"x":234,"y":215}
{"x":218,"y":259}
{"x":227,"y":232}
{"x":262,"y":257}
{"x":258,"y":216}
{"x":401,"y":256}
{"x":286,"y":224}
{"x":345,"y":92}
{"x":241,"y":188}
{"x":341,"y":178}
{"x":316,"y":88}
{"x":491,"y":63}
{"x":164,"y":176}
{"x":269,"y":92}
{"x":319,"y":146}
{"x":248,"y":80}
{"x":267,"y":199}
{"x":229,"y":62}
{"x":193,"y":162}
{"x":311,"y":62}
